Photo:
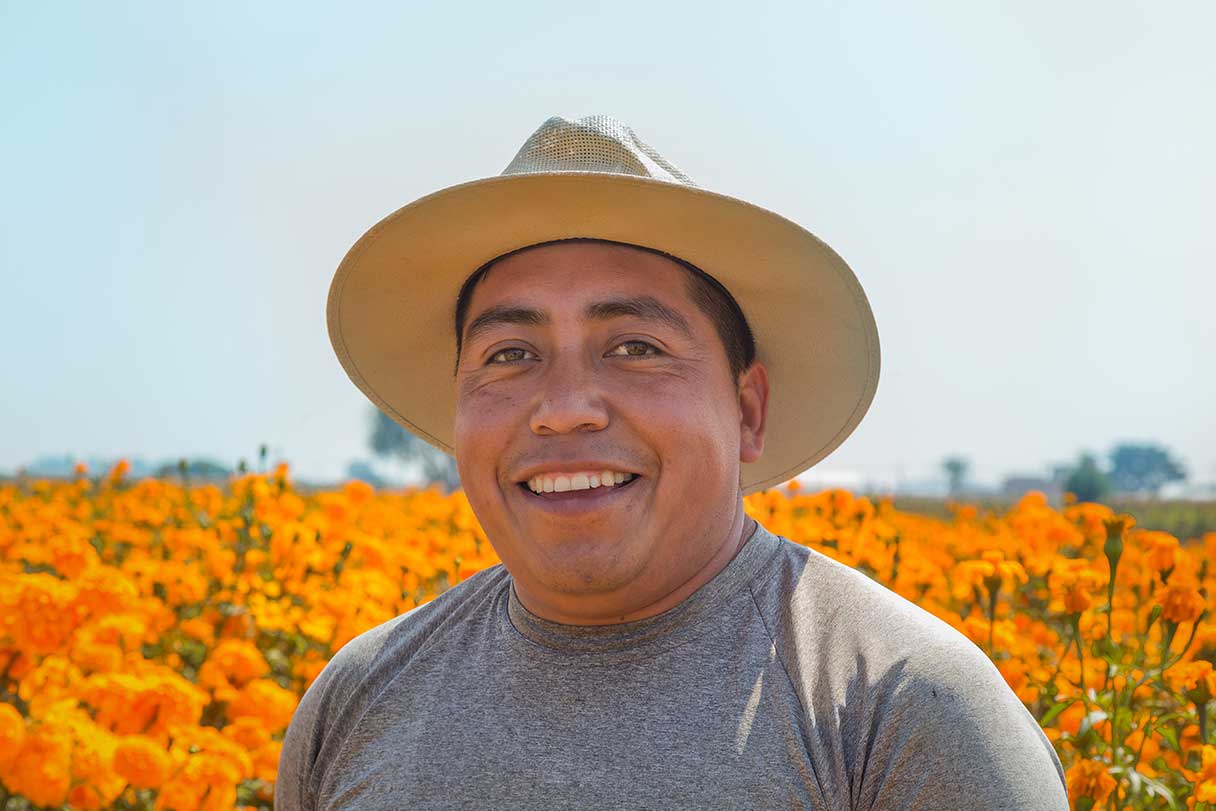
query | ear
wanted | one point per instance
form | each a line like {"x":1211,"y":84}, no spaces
{"x":753,"y":411}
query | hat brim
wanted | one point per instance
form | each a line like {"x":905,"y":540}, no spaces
{"x":391,"y":306}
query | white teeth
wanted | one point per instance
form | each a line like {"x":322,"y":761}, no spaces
{"x":561,"y":483}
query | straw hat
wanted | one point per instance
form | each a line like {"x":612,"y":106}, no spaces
{"x":392,"y":302}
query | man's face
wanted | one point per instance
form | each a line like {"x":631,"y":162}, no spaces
{"x":584,"y":358}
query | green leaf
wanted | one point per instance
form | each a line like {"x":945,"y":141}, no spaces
{"x":1171,"y":737}
{"x":1054,"y":710}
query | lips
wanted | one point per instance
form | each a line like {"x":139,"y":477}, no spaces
{"x":585,"y":493}
{"x":561,"y":482}
{"x":580,"y":505}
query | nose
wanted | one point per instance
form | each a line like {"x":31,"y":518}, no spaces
{"x":569,"y":399}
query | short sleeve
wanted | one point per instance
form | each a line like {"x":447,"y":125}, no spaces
{"x":955,"y":737}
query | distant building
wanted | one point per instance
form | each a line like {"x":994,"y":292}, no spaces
{"x":1017,"y":485}
{"x":63,"y":467}
{"x":1189,"y":491}
{"x":816,"y":479}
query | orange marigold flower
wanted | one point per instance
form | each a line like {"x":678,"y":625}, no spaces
{"x":1077,"y":599}
{"x":86,"y":797}
{"x":180,"y":794}
{"x":1180,"y":602}
{"x":40,"y":772}
{"x":199,"y":629}
{"x":1205,"y":778}
{"x":149,"y":703}
{"x":232,"y":664}
{"x":141,"y":761}
{"x":1073,"y":583}
{"x":97,"y":658}
{"x":265,"y":701}
{"x":12,"y":732}
{"x":1196,"y":680}
{"x":358,"y":492}
{"x":1089,"y":778}
{"x":1070,"y":720}
{"x":1148,"y":748}
{"x":248,"y":731}
{"x":266,"y":760}
{"x":38,"y":616}
{"x":1160,"y":549}
{"x":92,"y":759}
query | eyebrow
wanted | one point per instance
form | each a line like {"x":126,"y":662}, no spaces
{"x":505,"y":314}
{"x":647,"y":308}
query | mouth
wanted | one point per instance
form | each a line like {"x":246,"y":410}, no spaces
{"x":579,"y":500}
{"x":577,"y":483}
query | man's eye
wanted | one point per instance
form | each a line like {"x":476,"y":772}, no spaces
{"x":634,"y":349}
{"x":509,"y":355}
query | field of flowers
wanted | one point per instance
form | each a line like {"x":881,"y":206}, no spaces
{"x":155,"y":638}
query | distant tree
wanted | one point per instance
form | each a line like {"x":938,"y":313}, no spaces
{"x":361,"y":470}
{"x":1144,"y":467}
{"x":206,"y":469}
{"x":956,"y":472}
{"x":389,"y":440}
{"x":1087,"y":481}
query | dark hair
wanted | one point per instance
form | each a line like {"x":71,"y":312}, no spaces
{"x":710,"y":296}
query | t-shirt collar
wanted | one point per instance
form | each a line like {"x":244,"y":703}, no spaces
{"x":756,"y":551}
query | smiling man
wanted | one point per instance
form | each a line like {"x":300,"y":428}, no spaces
{"x":631,"y":355}
{"x":595,"y":403}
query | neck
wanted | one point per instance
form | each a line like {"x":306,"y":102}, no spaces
{"x":614,"y":608}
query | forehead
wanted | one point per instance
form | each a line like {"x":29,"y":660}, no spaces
{"x":570,"y":273}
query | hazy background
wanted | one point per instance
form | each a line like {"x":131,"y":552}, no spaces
{"x":1024,"y":189}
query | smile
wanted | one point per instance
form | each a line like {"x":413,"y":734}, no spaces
{"x":582,"y":480}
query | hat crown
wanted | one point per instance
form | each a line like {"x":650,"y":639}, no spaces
{"x":594,"y":143}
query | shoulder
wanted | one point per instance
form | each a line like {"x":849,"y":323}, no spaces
{"x":840,"y":623}
{"x":374,"y":654}
{"x":918,"y":696}
{"x":811,"y":595}
{"x":332,"y":706}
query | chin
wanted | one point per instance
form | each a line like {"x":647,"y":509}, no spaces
{"x":581,"y":570}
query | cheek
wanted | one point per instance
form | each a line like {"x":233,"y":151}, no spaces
{"x":486,"y":424}
{"x":481,"y":416}
{"x":695,"y":440}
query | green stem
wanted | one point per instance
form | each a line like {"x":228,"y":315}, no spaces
{"x":1110,"y":606}
{"x":1076,"y":633}
{"x":1165,"y":652}
{"x":1147,"y":731}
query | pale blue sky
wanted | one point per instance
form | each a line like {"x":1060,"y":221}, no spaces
{"x":1025,"y":190}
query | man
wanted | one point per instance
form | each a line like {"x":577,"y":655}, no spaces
{"x":632,"y":355}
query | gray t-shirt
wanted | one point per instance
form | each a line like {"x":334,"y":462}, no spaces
{"x":788,"y":681}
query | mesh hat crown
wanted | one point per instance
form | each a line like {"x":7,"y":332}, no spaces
{"x":596,"y":143}
{"x":392,"y":300}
